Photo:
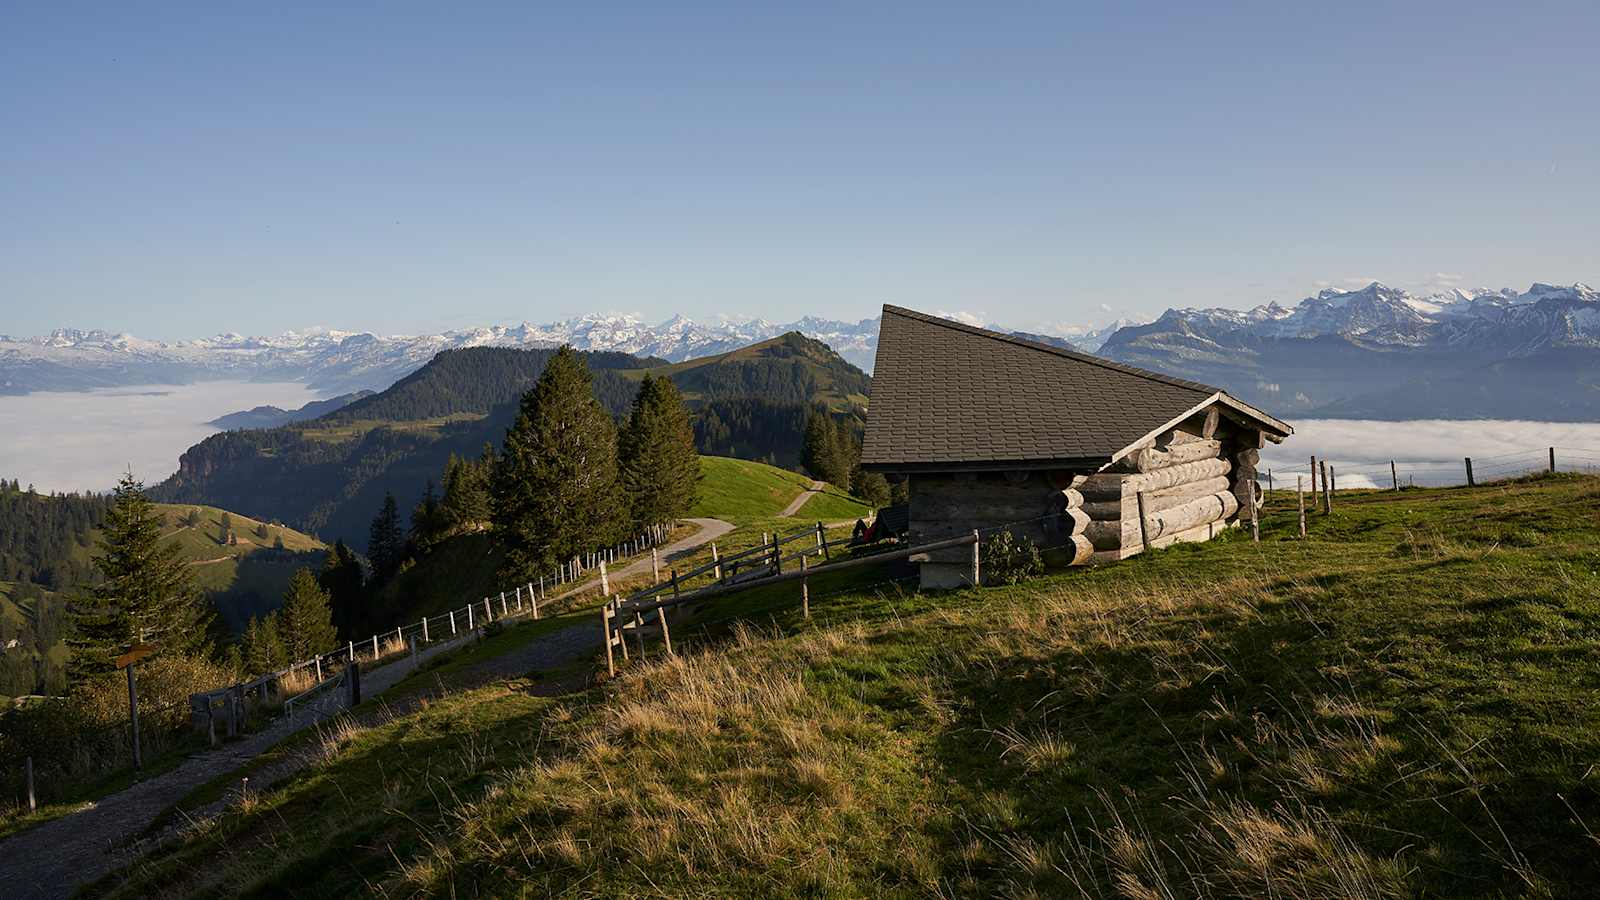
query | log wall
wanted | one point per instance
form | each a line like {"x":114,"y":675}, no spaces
{"x":1043,"y":507}
{"x":1197,"y":480}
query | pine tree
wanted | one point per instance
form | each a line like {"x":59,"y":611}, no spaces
{"x":306,"y":620}
{"x":262,"y":646}
{"x":427,"y":519}
{"x":342,"y":578}
{"x":466,"y":492}
{"x":225,"y":528}
{"x":147,"y":592}
{"x":555,"y":488}
{"x":821,"y":453}
{"x":659,"y":466}
{"x":385,"y":541}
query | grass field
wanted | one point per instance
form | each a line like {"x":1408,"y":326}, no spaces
{"x":249,"y":577}
{"x":1404,"y":704}
{"x":739,"y":491}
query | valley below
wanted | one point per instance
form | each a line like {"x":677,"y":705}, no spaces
{"x":85,"y":440}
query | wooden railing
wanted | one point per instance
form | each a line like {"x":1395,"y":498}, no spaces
{"x":620,"y":616}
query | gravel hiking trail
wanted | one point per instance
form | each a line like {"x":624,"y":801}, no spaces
{"x":816,"y":488}
{"x":53,"y":860}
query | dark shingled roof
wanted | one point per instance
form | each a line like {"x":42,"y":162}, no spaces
{"x":944,"y":393}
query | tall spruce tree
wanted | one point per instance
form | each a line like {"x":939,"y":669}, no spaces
{"x":555,"y":488}
{"x":262,"y":648}
{"x":306,"y":620}
{"x":342,"y":578}
{"x":823,"y":453}
{"x":147,"y":592}
{"x":465,"y":506}
{"x":386,"y":541}
{"x":659,"y":466}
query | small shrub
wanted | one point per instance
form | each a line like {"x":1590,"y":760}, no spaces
{"x":1008,"y":559}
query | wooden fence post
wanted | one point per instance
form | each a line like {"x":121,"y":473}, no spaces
{"x":1313,"y":478}
{"x":1552,"y":459}
{"x":488,"y":614}
{"x":318,"y":659}
{"x":502,"y":604}
{"x":805,"y":591}
{"x":777,"y":555}
{"x":452,"y":623}
{"x":352,"y":651}
{"x":1269,"y":486}
{"x":605,"y":638}
{"x":1394,"y":476}
{"x":374,"y":648}
{"x":425,"y":638}
{"x":1300,"y":492}
{"x":1255,"y":516}
{"x":716,"y":563}
{"x":1327,"y":500}
{"x":27,"y":776}
{"x":1470,"y":482}
{"x":470,"y":623}
{"x":1144,"y":530}
{"x":353,"y":676}
{"x":605,"y":580}
{"x":822,"y":542}
{"x":655,"y":566}
{"x":666,"y":636}
{"x":977,"y":570}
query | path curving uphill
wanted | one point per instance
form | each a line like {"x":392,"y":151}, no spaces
{"x":54,"y":859}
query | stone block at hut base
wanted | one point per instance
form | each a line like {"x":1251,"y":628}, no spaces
{"x":937,"y":576}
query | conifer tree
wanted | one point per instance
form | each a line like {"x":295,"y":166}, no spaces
{"x":821,"y":453}
{"x":466,"y":492}
{"x":555,"y":488}
{"x":385,"y":541}
{"x":147,"y":592}
{"x":262,"y":646}
{"x":427,"y":523}
{"x":659,"y":466}
{"x":342,"y":578}
{"x":306,"y":620}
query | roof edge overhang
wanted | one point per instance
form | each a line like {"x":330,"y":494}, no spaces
{"x":1082,"y":464}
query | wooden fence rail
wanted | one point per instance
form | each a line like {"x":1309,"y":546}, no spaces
{"x":631,"y":613}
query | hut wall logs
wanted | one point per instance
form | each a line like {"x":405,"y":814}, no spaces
{"x":1192,"y":479}
{"x":1042,"y":507}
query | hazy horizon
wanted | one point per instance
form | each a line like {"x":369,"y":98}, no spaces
{"x":195,"y":169}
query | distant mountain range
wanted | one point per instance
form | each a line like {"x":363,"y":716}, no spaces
{"x":1375,"y":352}
{"x":336,"y":362}
{"x":1383,"y":353}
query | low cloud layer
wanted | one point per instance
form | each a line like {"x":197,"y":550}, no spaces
{"x":85,"y":441}
{"x":1431,"y":451}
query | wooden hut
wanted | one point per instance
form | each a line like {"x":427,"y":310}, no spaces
{"x":1056,"y":446}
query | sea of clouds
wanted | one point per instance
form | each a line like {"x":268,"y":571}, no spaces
{"x":1431,"y":451}
{"x":74,"y":441}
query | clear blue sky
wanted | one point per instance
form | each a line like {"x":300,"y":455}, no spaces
{"x":177,"y":171}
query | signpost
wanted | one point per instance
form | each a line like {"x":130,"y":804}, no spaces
{"x":126,"y":661}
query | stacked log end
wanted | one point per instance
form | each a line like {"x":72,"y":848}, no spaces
{"x":1190,"y":491}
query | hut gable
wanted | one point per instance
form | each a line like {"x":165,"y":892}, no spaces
{"x":1059,"y":447}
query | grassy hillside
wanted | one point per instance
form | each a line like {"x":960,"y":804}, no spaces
{"x":804,"y":368}
{"x":329,"y":476}
{"x":246,"y":578}
{"x":1403,"y":704}
{"x":738,"y":490}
